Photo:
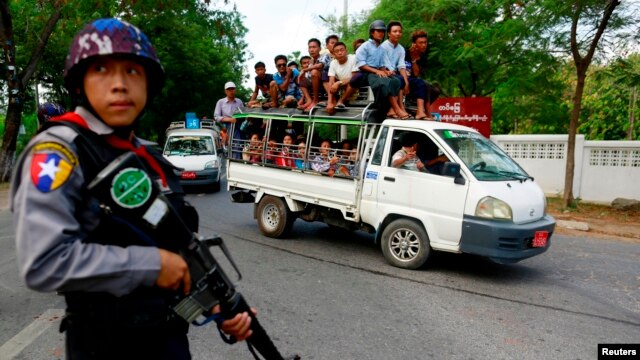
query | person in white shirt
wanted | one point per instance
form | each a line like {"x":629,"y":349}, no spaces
{"x":340,"y":71}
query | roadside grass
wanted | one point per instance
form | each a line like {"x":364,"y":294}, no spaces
{"x":592,"y":211}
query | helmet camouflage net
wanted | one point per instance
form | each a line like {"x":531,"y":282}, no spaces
{"x":111,"y":36}
{"x":48,"y":110}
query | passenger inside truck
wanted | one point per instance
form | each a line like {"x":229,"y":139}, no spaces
{"x":252,"y":151}
{"x":427,"y":151}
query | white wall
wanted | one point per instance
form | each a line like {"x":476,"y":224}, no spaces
{"x":604,"y":170}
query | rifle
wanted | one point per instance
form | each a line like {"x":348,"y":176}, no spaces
{"x":125,"y":191}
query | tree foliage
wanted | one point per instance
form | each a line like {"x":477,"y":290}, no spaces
{"x":524,"y":54}
{"x":200,"y":46}
{"x":609,"y":106}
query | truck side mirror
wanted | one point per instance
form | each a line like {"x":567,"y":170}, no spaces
{"x":453,"y":170}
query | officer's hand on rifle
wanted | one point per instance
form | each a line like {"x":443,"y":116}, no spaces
{"x":174,"y":272}
{"x":238,"y":326}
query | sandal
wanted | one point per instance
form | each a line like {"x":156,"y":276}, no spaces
{"x":406,"y":117}
{"x":340,"y":106}
{"x":423,"y":117}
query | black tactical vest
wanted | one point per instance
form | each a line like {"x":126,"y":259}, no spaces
{"x":145,"y":307}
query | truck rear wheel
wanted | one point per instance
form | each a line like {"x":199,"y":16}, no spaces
{"x":274,"y":218}
{"x":405,"y":244}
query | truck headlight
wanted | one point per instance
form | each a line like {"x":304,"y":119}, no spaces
{"x":213,"y":164}
{"x":492,"y":208}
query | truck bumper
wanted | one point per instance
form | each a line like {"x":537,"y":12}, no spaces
{"x":504,"y":242}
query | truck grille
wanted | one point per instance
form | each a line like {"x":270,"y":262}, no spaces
{"x":512,"y":243}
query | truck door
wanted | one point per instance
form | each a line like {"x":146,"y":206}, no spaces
{"x":426,"y":195}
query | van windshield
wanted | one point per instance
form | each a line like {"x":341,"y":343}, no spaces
{"x":484,"y":158}
{"x":189,"y":145}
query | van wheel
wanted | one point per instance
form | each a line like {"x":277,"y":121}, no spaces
{"x":274,"y":218}
{"x":405,"y":244}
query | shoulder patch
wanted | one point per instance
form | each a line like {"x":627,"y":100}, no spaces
{"x":51,"y":165}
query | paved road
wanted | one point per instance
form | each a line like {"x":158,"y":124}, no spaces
{"x":330,"y":295}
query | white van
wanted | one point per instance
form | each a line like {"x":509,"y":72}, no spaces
{"x":475,"y":199}
{"x":194,"y":151}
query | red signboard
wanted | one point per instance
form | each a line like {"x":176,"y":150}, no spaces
{"x":473,"y":112}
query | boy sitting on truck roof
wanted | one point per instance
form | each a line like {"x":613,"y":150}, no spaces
{"x":263,"y":81}
{"x":340,"y":71}
{"x":283,"y":88}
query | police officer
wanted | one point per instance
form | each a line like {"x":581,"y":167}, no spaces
{"x":48,"y":110}
{"x":118,"y":288}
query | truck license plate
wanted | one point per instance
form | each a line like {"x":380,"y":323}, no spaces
{"x":188,"y":175}
{"x":540,"y":239}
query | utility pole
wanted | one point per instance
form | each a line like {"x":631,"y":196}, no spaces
{"x":345,"y":19}
{"x":345,"y":23}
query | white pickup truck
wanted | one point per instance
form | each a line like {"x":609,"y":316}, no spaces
{"x":476,"y":200}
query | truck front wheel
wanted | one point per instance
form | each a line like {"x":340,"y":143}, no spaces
{"x":405,"y":244}
{"x":274,"y":218}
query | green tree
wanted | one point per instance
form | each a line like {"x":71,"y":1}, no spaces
{"x":484,"y":48}
{"x":17,"y":78}
{"x":609,"y":107}
{"x":200,"y":46}
{"x":581,"y":24}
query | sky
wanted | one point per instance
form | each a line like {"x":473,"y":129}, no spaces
{"x":280,"y":27}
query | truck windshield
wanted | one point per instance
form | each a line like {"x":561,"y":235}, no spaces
{"x":189,"y":145}
{"x":485,"y":159}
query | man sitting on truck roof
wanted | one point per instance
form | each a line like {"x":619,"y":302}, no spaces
{"x":370,"y":59}
{"x":416,"y":63}
{"x":315,"y":68}
{"x":326,"y":56}
{"x":263,"y":81}
{"x":283,"y":87}
{"x":394,"y":61}
{"x":340,"y":71}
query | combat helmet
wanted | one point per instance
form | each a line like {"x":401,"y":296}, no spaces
{"x":377,"y":25}
{"x":48,"y":110}
{"x":111,"y":36}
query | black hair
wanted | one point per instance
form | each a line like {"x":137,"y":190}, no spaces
{"x":259,"y":64}
{"x":339,"y":43}
{"x":418,"y":34}
{"x":279,"y":57}
{"x":292,"y":62}
{"x":392,"y":24}
{"x":326,"y":41}
{"x":408,"y":139}
{"x":314,"y":40}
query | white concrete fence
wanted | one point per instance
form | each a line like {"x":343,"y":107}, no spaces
{"x":604,"y":170}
